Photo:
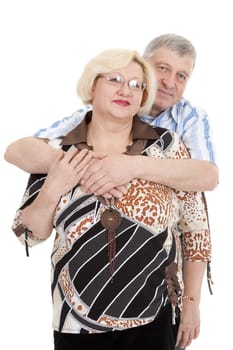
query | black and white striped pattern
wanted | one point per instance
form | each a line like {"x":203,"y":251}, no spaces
{"x":138,"y":289}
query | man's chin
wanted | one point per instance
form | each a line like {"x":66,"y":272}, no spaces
{"x":157,"y":109}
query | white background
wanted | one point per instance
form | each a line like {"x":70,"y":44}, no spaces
{"x":44,"y":46}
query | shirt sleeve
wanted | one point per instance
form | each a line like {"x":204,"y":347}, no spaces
{"x":64,"y":126}
{"x":25,"y":236}
{"x":193,"y":224}
{"x":197,"y":135}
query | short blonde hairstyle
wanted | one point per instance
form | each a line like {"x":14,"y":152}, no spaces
{"x":109,"y":61}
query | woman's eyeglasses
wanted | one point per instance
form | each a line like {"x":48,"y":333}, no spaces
{"x":117,"y":80}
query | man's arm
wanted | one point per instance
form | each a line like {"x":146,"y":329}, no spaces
{"x":181,"y":174}
{"x":31,"y":155}
{"x":35,"y":156}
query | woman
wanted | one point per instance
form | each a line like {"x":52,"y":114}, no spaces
{"x":117,"y":279}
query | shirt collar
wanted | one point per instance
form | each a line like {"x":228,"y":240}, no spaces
{"x":140,"y":130}
{"x":172,"y":112}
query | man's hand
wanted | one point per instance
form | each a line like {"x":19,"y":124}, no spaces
{"x":107,"y":175}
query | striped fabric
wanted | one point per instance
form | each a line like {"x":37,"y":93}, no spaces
{"x":192,"y":125}
{"x":138,"y":288}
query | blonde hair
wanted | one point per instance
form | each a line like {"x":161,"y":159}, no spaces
{"x":110,"y":60}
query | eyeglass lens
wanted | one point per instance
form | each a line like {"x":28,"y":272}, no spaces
{"x":117,"y":79}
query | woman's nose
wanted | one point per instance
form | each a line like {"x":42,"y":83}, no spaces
{"x":124,"y":89}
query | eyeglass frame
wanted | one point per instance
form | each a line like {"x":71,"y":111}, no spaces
{"x":122,"y":81}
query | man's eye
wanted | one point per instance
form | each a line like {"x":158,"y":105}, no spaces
{"x":163,"y":68}
{"x":182,"y":77}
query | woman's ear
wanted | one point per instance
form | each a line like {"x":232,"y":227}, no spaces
{"x":93,"y":89}
{"x":144,"y":97}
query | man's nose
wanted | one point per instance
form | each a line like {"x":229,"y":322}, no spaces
{"x":169,"y":80}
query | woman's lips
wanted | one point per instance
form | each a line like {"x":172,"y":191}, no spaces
{"x":122,"y":103}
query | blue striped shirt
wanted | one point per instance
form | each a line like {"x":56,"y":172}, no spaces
{"x":189,"y":122}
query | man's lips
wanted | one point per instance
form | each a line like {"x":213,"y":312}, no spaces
{"x":165,"y":93}
{"x":123,"y":103}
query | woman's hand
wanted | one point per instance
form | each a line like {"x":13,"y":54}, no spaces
{"x":189,"y":327}
{"x":66,"y":171}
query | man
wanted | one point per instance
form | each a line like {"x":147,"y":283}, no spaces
{"x":173,"y":58}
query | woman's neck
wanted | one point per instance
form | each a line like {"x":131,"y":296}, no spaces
{"x":109,"y":138}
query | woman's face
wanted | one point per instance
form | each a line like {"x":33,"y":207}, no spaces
{"x":119,"y":93}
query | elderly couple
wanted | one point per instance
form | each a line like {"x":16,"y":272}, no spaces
{"x":116,"y":184}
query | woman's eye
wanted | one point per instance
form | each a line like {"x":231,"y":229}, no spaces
{"x":116,"y":80}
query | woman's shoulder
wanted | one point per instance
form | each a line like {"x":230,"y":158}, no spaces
{"x":169,"y":144}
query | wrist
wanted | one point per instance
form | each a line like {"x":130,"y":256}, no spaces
{"x":49,"y":196}
{"x":188,"y":297}
{"x":138,"y":167}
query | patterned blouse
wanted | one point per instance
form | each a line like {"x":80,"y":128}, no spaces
{"x":159,"y":227}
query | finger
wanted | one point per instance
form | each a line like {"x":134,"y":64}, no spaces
{"x":122,"y":188}
{"x":197,"y":332}
{"x":89,"y":176}
{"x":92,"y":174}
{"x":183,"y":340}
{"x":81,"y":160}
{"x":100,"y":184}
{"x":178,"y":339}
{"x":188,"y":342}
{"x":81,"y":170}
{"x":112,"y":193}
{"x":187,"y":338}
{"x":77,"y":156}
{"x":69,"y":155}
{"x":182,"y":336}
{"x":58,"y":158}
{"x":95,"y":183}
{"x":60,"y":155}
{"x":107,"y":195}
{"x":193,"y":334}
{"x":99,"y":155}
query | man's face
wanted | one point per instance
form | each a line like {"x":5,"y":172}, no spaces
{"x":172,"y":72}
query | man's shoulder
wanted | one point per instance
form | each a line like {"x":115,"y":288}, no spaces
{"x":63,"y":126}
{"x":187,"y":107}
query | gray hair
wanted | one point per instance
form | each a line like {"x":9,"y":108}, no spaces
{"x":173,"y":42}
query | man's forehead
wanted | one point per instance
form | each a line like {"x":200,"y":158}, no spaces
{"x":173,"y":59}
